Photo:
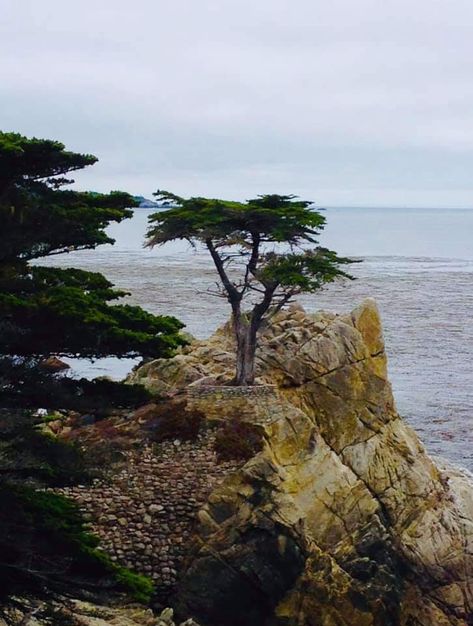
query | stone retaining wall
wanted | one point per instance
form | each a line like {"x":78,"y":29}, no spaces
{"x":229,"y":392}
{"x":218,"y":403}
{"x":144,"y":514}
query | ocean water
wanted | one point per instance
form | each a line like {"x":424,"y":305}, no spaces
{"x":417,"y":264}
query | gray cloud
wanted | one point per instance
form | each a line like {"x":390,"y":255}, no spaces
{"x":347,"y":103}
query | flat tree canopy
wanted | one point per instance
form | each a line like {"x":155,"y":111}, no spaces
{"x":265,"y":252}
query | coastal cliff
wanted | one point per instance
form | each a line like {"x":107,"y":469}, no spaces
{"x":342,"y":518}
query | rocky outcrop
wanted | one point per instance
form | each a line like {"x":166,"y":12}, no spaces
{"x":342,"y":519}
{"x":80,"y":613}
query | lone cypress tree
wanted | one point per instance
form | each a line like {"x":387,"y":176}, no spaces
{"x":257,"y":251}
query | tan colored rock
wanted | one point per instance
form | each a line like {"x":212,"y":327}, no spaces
{"x":342,"y":519}
{"x":53,"y":364}
{"x":81,"y":613}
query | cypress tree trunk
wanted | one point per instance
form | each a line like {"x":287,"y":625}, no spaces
{"x":245,"y":334}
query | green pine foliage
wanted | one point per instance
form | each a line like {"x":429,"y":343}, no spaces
{"x":63,"y":311}
{"x":67,"y":311}
{"x":24,"y":383}
{"x":45,"y":548}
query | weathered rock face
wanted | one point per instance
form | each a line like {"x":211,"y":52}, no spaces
{"x":342,"y":519}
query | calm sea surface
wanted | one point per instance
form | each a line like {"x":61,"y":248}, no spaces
{"x":418,"y":264}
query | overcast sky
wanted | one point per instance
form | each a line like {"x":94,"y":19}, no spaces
{"x":366,"y":102}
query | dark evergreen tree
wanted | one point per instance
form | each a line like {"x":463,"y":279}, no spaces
{"x":44,"y":546}
{"x":46,"y":310}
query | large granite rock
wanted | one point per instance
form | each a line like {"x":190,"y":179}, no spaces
{"x":342,"y":519}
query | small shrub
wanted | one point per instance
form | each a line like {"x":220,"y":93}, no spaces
{"x":172,"y":421}
{"x":238,"y":440}
{"x":104,"y":455}
{"x":140,"y":587}
{"x":106,"y":429}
